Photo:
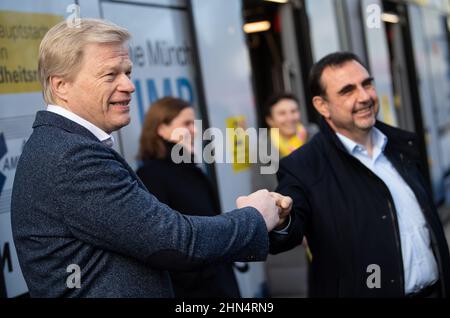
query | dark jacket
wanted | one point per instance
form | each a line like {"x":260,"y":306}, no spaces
{"x":349,"y":218}
{"x":185,"y":188}
{"x":76,"y":201}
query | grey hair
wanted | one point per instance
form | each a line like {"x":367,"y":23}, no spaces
{"x":61,"y":49}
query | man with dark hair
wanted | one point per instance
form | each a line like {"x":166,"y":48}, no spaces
{"x":330,"y":60}
{"x":360,"y":197}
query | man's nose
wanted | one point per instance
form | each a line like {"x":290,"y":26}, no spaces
{"x":126,"y":85}
{"x":363,"y":95}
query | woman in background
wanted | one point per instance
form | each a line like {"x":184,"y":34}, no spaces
{"x":183,"y":186}
{"x":282,"y":112}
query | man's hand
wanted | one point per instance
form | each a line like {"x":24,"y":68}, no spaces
{"x":265,"y":203}
{"x":285,"y":205}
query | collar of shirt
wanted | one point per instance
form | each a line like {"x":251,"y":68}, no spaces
{"x":101,"y":135}
{"x":379,"y":141}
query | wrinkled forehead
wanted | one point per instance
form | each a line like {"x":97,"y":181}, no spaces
{"x":107,"y":55}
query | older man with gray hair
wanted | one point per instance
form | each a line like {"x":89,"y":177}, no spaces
{"x":76,"y":203}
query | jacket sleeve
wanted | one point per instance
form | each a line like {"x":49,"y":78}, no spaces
{"x":154,"y":184}
{"x":290,"y":185}
{"x":103,"y":204}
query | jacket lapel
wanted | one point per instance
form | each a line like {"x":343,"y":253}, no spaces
{"x":46,"y":118}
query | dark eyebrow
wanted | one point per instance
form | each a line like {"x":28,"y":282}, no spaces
{"x":350,"y":87}
{"x":368,"y":80}
{"x":346,"y":89}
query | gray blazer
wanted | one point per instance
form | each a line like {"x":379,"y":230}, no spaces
{"x":76,"y":201}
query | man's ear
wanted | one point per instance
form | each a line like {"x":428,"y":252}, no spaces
{"x":60,"y":87}
{"x":321,"y":105}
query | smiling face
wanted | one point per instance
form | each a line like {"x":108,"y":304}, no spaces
{"x":181,"y":129}
{"x":285,"y":116}
{"x":101,"y":90}
{"x":351,"y":104}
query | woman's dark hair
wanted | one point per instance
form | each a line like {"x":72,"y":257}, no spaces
{"x":275,"y":99}
{"x":163,"y":111}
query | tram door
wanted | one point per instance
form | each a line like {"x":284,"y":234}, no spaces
{"x":417,"y":42}
{"x":403,"y":70}
{"x":408,"y":55}
{"x":400,"y":69}
{"x":278,"y":65}
{"x":429,"y":31}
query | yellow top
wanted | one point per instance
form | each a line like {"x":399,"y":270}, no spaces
{"x":288,"y":145}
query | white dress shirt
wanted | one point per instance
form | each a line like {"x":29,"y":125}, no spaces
{"x":420,"y":267}
{"x":101,"y":135}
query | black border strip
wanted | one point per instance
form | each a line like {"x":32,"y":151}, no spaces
{"x":2,"y":283}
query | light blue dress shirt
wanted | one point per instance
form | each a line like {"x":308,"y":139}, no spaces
{"x":419,"y":263}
